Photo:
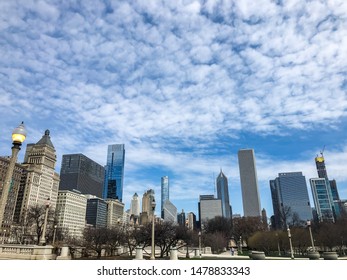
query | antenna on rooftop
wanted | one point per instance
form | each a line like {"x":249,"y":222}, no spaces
{"x":322,"y":151}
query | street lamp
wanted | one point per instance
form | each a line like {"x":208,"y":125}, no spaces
{"x":240,"y":244}
{"x":278,"y":245}
{"x":43,"y":235}
{"x":308,"y":223}
{"x":153,"y":246}
{"x":18,"y":136}
{"x":54,"y":233}
{"x":200,"y":244}
{"x":290,"y":243}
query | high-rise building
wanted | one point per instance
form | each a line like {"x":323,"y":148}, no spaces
{"x":191,"y":221}
{"x":71,"y":212}
{"x":96,"y":214}
{"x":41,"y":179}
{"x":164,"y":193}
{"x":181,"y":218}
{"x":209,"y":208}
{"x":249,"y":183}
{"x":169,"y":212}
{"x":15,"y":186}
{"x":78,"y":172}
{"x":115,"y":213}
{"x":290,"y":200}
{"x":323,"y":199}
{"x":322,"y":173}
{"x":135,"y":206}
{"x":264,"y":218}
{"x":223,"y":194}
{"x":320,"y":165}
{"x":114,"y":172}
{"x":147,"y":209}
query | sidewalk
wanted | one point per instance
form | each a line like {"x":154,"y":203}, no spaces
{"x":227,"y":255}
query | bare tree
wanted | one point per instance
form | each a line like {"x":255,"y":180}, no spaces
{"x":35,"y":218}
{"x":95,"y":239}
{"x":134,"y":237}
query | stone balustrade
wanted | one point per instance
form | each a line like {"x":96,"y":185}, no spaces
{"x":26,"y":252}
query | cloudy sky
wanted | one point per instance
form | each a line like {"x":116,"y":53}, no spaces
{"x":183,"y":84}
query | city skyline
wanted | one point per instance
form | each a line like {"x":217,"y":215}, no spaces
{"x":183,"y":85}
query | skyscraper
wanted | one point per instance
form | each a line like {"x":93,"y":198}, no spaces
{"x":323,"y":199}
{"x":115,"y":213}
{"x":169,"y":211}
{"x":290,"y":200}
{"x":322,"y":173}
{"x":223,"y":194}
{"x":70,"y":213}
{"x":320,"y":165}
{"x":164,"y":193}
{"x":96,"y":214}
{"x":209,"y":208}
{"x":181,"y":218}
{"x":147,"y":210}
{"x":16,"y":185}
{"x":135,"y":206}
{"x":41,"y":181}
{"x":79,"y":172}
{"x":249,"y":183}
{"x":114,"y":172}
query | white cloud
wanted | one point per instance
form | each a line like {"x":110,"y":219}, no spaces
{"x":179,"y":75}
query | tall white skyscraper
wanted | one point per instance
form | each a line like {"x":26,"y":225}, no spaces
{"x":249,"y":183}
{"x":135,"y":206}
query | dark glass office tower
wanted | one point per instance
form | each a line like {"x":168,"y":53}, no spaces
{"x":223,"y":194}
{"x":81,"y":173}
{"x":114,"y":172}
{"x":96,"y":213}
{"x":291,"y":203}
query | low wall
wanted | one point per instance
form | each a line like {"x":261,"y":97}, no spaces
{"x":26,"y":252}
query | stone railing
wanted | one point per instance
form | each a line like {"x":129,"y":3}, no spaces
{"x":26,"y":252}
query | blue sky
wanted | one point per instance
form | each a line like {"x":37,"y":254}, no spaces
{"x":183,"y":84}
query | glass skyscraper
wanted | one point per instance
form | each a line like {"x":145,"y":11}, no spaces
{"x":323,"y":199}
{"x":336,"y":202}
{"x":164,"y":193}
{"x":291,"y":203}
{"x":114,"y":172}
{"x":223,"y":194}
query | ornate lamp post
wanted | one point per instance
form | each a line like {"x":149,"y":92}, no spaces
{"x":153,"y":243}
{"x":290,"y":244}
{"x":54,"y":233}
{"x":240,"y":244}
{"x":18,"y":136}
{"x":278,"y":245}
{"x":43,"y":235}
{"x":308,"y":223}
